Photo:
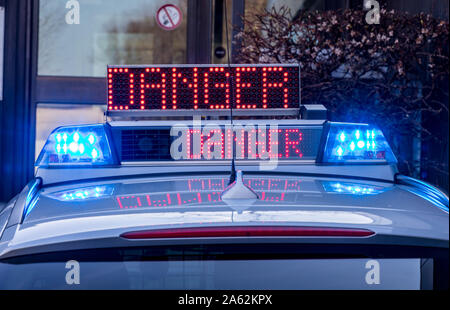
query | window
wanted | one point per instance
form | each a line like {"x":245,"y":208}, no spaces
{"x":252,"y":7}
{"x":106,"y":32}
{"x":77,"y":42}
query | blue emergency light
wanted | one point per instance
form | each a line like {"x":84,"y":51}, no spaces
{"x":85,"y":145}
{"x":354,"y":143}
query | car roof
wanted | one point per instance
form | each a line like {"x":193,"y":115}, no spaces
{"x":180,"y":200}
{"x":199,"y":190}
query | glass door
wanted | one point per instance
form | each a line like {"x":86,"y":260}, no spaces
{"x":77,"y":39}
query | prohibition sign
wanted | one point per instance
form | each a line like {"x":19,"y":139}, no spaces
{"x":169,"y":17}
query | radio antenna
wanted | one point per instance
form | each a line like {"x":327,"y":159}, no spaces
{"x":230,"y":81}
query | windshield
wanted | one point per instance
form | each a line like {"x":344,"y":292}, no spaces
{"x":208,"y":267}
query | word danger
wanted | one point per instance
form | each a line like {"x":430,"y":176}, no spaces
{"x":197,"y":88}
{"x":249,"y":142}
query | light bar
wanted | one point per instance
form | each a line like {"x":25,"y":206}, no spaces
{"x":355,"y":143}
{"x":85,"y":145}
{"x":203,"y":87}
{"x":247,"y":231}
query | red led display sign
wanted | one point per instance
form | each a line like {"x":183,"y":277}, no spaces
{"x":203,"y":87}
{"x":284,"y":142}
{"x":217,"y":144}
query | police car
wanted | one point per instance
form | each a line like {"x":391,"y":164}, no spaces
{"x":216,"y":177}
